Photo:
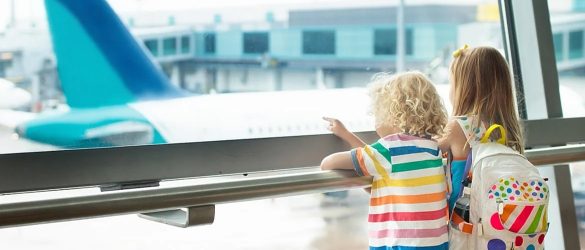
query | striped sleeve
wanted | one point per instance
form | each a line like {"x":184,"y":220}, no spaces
{"x":371,"y":160}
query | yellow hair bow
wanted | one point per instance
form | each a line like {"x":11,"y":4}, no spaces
{"x":458,"y":52}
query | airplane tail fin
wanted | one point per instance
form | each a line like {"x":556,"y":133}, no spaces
{"x":99,"y":61}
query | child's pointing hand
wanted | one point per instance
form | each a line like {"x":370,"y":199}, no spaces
{"x":336,"y":127}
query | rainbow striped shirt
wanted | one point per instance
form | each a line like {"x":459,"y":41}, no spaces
{"x":408,"y":203}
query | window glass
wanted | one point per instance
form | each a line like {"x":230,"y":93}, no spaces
{"x":576,"y":44}
{"x":209,"y":43}
{"x":152,"y":46}
{"x":558,"y":44}
{"x":568,"y":26}
{"x":408,"y":43}
{"x":185,"y":44}
{"x":211,"y":59}
{"x":578,"y":185}
{"x":170,"y":46}
{"x":385,"y":42}
{"x":318,"y":42}
{"x":255,"y":42}
{"x":258,"y":69}
{"x":3,"y":66}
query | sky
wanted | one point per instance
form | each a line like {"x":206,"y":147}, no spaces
{"x":32,"y":11}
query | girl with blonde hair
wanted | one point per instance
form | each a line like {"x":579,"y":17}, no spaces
{"x":408,"y":207}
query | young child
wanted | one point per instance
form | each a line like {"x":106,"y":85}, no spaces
{"x":408,"y":207}
{"x":481,"y":94}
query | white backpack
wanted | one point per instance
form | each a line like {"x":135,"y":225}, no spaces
{"x":508,"y":201}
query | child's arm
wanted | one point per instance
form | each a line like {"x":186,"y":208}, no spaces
{"x":454,"y":140}
{"x":339,"y":130}
{"x":340,"y":160}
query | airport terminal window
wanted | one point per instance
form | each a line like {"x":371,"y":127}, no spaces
{"x":242,"y":92}
{"x":317,"y":49}
{"x":385,"y":41}
{"x":256,"y":42}
{"x":318,"y":42}
{"x":576,"y":44}
{"x":558,"y":44}
{"x":170,"y":46}
{"x":152,"y":46}
{"x":209,"y":43}
{"x":185,"y":44}
{"x":568,"y":25}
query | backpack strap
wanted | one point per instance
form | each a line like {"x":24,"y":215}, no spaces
{"x":503,"y":138}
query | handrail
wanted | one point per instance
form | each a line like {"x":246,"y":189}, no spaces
{"x":556,"y":155}
{"x":252,"y":186}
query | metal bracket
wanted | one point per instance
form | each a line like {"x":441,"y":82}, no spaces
{"x":193,"y":216}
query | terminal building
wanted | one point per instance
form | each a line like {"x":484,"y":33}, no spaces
{"x":283,"y":55}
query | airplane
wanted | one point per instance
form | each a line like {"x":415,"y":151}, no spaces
{"x":12,"y":97}
{"x":117,"y":96}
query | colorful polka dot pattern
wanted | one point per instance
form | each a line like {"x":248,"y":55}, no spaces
{"x":511,"y":189}
{"x":528,"y":242}
{"x":496,"y":244}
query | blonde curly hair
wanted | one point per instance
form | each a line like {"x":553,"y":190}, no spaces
{"x":409,"y":102}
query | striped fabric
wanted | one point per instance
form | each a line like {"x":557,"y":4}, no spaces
{"x":408,"y":203}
